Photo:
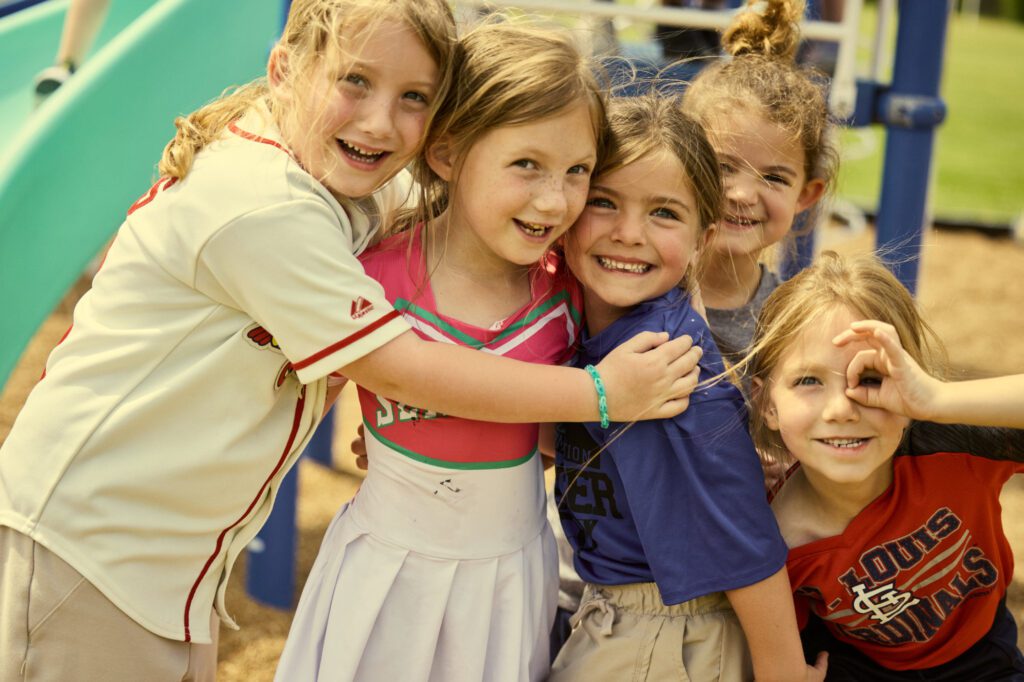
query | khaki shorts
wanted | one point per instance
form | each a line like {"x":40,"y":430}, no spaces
{"x":625,"y":633}
{"x":56,"y":627}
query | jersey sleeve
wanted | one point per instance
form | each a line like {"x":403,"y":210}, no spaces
{"x":925,"y":438}
{"x":291,"y":267}
{"x":695,"y":488}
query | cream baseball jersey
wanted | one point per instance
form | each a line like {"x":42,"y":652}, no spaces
{"x":194,"y":373}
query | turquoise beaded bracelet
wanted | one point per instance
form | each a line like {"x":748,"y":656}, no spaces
{"x":602,"y":397}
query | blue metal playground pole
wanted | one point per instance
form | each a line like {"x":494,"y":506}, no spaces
{"x":910,"y":110}
{"x":270,"y":572}
{"x":270,"y":568}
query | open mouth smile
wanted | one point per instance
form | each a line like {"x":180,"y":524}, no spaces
{"x":844,"y":443}
{"x":742,"y":222}
{"x":361,"y":155}
{"x":632,"y":267}
{"x":534,"y":230}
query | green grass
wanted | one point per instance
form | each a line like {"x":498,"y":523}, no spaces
{"x":979,"y":153}
{"x":978,"y":163}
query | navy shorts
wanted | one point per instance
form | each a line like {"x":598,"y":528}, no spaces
{"x":993,"y":658}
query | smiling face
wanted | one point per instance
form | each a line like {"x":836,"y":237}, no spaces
{"x":766,"y":185}
{"x":841,"y":444}
{"x":636,"y":238}
{"x":518,"y":188}
{"x":362,"y":121}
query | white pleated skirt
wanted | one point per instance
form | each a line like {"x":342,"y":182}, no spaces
{"x":430,"y":574}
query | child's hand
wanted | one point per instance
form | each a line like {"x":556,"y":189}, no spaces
{"x":359,"y":449}
{"x":904,"y":388}
{"x":816,"y":673}
{"x":649,"y":377}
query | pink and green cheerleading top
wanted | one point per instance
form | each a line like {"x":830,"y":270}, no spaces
{"x":543,"y":331}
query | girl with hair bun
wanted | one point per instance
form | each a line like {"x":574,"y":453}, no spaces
{"x":768,"y":121}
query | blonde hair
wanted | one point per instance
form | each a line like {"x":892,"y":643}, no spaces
{"x":762,"y":77}
{"x":316,"y":30}
{"x":861,"y":284}
{"x":505,"y":74}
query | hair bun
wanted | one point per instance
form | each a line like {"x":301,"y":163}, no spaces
{"x":770,"y":28}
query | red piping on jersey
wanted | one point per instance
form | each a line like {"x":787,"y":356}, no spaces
{"x":352,"y":338}
{"x":256,"y":138}
{"x":162,"y":183}
{"x":72,"y":325}
{"x":220,"y":538}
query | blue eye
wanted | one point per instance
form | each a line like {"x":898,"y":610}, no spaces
{"x":418,"y":97}
{"x":665,"y":213}
{"x":356,"y":79}
{"x":600,"y":202}
{"x":806,"y":381}
{"x":528,"y":164}
{"x":579,"y":169}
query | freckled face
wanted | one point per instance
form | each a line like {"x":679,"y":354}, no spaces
{"x":519,"y":188}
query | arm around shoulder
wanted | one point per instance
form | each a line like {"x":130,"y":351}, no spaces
{"x":646,"y":378}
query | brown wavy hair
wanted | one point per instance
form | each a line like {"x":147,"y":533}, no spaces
{"x":762,"y":77}
{"x":505,"y":73}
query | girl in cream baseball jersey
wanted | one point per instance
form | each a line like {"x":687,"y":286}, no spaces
{"x":150,"y":453}
{"x":443,"y":567}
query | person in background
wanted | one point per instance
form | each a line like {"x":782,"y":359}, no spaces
{"x":81,"y":24}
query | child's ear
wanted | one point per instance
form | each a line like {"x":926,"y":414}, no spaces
{"x":768,"y":412}
{"x":812,"y":191}
{"x":441,"y":158}
{"x":709,"y":236}
{"x":277,"y":69}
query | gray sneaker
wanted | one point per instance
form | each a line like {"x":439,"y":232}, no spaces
{"x":51,"y":78}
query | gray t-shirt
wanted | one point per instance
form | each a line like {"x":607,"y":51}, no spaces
{"x":733,"y":329}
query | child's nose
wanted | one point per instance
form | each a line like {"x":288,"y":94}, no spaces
{"x":629,"y":229}
{"x":740,"y":189}
{"x":376,"y":117}
{"x":839,"y":407}
{"x":551,"y":199}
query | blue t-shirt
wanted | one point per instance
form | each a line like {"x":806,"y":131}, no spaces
{"x":679,"y":502}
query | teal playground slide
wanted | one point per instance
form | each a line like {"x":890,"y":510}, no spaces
{"x":70,"y":169}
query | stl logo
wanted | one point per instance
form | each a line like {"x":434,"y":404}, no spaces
{"x":882,"y":603}
{"x":360,"y":307}
{"x":261,"y":338}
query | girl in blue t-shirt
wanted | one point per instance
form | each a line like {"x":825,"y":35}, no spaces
{"x":684,"y":564}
